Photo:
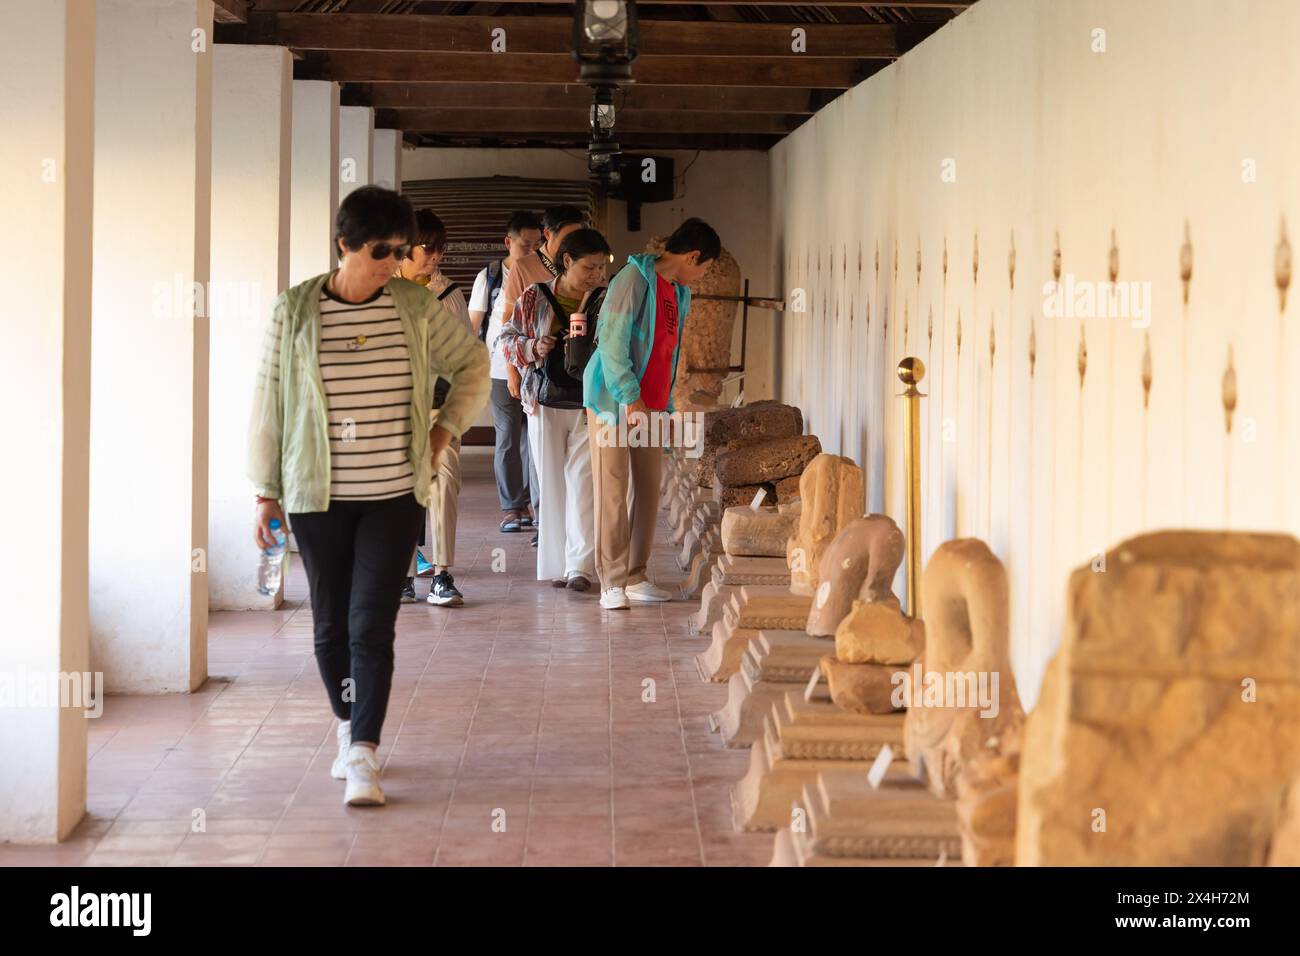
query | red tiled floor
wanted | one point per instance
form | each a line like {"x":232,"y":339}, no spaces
{"x":519,"y":732}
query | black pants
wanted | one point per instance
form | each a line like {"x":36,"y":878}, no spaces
{"x":516,"y":476}
{"x":355,"y":555}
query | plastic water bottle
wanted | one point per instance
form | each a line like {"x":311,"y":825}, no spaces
{"x":268,"y":570}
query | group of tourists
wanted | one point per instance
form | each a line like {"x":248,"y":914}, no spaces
{"x":373,"y":372}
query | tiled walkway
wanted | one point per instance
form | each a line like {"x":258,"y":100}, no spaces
{"x":517,"y":733}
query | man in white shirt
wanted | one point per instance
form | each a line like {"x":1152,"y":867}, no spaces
{"x":516,"y":476}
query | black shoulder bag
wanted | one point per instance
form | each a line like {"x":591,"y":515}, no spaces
{"x":556,"y":388}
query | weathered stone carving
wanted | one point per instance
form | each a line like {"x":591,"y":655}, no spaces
{"x":967,"y":655}
{"x":1168,"y":727}
{"x":859,"y":564}
{"x":832,"y":493}
{"x":766,"y":461}
{"x":986,"y":801}
{"x":760,"y":533}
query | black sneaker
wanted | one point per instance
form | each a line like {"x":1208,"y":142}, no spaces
{"x":443,"y":592}
{"x":408,"y":591}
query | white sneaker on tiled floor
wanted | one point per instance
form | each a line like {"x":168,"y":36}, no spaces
{"x":363,"y":779}
{"x":614,"y":599}
{"x":339,"y":769}
{"x":648,"y":592}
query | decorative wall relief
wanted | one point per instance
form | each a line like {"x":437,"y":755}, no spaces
{"x":1282,"y":267}
{"x":1229,"y":406}
{"x":1033,"y":347}
{"x":1082,"y":362}
{"x":1146,"y":372}
{"x":1229,"y":393}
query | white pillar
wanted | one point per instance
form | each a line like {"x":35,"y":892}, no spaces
{"x":356,"y":144}
{"x":386,"y":159}
{"x":315,"y":179}
{"x":149,"y":389}
{"x":252,"y":102}
{"x":47,"y":93}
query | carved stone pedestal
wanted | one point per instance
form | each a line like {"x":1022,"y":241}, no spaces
{"x":847,"y":822}
{"x":701,"y":534}
{"x":728,"y":575}
{"x":751,"y":609}
{"x":800,"y":740}
{"x":774,"y":663}
{"x":701,"y":570}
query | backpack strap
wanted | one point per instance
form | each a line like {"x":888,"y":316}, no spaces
{"x":448,"y":291}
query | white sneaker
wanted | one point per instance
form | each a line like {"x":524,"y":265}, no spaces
{"x":614,"y":599}
{"x":363,"y":779}
{"x":647,"y":592}
{"x":339,"y":769}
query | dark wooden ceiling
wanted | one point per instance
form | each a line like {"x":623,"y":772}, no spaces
{"x":710,"y":75}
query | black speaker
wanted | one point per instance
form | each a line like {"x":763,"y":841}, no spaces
{"x":644,"y":178}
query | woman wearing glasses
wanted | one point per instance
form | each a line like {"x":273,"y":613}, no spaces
{"x":341,"y":440}
{"x":421,"y":266}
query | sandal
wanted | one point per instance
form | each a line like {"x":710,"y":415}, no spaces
{"x":525,"y":519}
{"x":579,"y":582}
{"x":511,"y":523}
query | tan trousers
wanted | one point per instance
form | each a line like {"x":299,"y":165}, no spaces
{"x":624,"y":535}
{"x":444,"y":507}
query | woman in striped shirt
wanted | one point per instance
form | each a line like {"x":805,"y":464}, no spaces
{"x":341,"y":439}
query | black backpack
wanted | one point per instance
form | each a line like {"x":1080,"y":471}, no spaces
{"x":495,"y":277}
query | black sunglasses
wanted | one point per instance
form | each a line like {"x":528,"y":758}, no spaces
{"x":430,"y":247}
{"x":382,"y":250}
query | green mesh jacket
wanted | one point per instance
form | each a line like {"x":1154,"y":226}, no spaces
{"x":288,"y":436}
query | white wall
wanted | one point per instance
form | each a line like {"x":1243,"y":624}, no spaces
{"x":251,"y":150}
{"x":356,"y":147}
{"x":728,"y":189}
{"x":1049,"y":137}
{"x":315,"y":179}
{"x":47,"y":97}
{"x":149,"y":388}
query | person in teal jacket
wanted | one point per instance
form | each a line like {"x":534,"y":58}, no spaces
{"x":630,"y":376}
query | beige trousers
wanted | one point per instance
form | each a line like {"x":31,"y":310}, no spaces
{"x":625,"y":534}
{"x":444,"y":507}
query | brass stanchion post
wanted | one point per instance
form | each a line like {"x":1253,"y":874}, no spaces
{"x":910,"y":372}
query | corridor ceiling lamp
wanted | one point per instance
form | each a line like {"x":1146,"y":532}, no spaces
{"x":605,"y":41}
{"x":602,"y":150}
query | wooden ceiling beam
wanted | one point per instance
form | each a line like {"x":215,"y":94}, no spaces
{"x":574,"y":122}
{"x":396,"y":33}
{"x":639,"y":142}
{"x":569,"y":96}
{"x":557,"y":68}
{"x":230,"y":11}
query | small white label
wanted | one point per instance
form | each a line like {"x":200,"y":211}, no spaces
{"x":823,"y":593}
{"x":740,"y":400}
{"x":812,"y":684}
{"x":758,"y":499}
{"x":879,"y":766}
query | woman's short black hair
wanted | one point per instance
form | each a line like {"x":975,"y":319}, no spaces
{"x":579,"y":244}
{"x":372,"y":212}
{"x":695,"y":235}
{"x":557,"y":217}
{"x":429,"y":228}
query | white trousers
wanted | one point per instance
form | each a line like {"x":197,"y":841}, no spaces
{"x":566,"y":538}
